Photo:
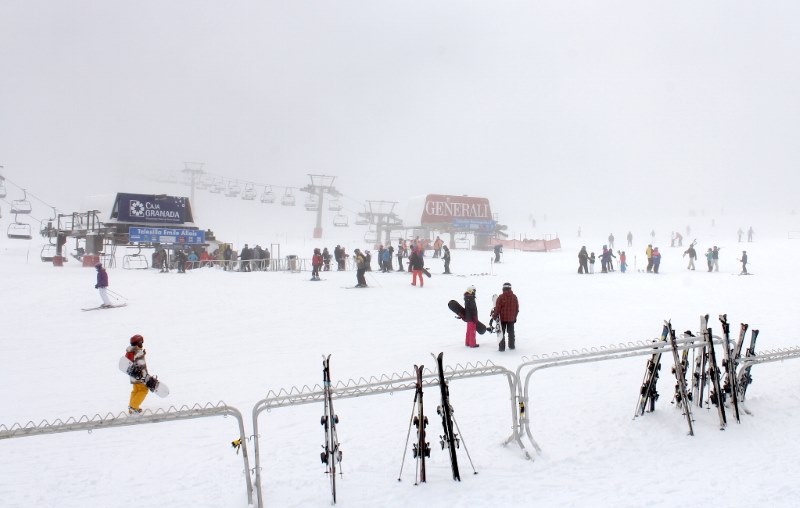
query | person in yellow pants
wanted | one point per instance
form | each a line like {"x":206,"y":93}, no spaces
{"x":136,"y":353}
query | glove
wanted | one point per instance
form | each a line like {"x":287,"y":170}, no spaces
{"x":96,"y":286}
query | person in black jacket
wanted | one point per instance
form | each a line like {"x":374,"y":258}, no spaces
{"x":470,"y":316}
{"x":446,"y":258}
{"x":415,"y":265}
{"x":583,"y":260}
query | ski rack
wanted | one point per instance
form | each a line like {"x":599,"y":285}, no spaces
{"x":123,"y":419}
{"x":584,"y":355}
{"x":373,"y":385}
{"x":770,"y":355}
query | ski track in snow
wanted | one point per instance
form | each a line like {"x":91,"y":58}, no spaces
{"x":212,"y":335}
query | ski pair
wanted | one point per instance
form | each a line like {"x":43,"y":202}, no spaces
{"x":332,"y":455}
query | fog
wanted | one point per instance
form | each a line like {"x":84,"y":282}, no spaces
{"x":569,"y":110}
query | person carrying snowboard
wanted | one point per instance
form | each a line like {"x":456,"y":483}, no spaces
{"x":316,"y":264}
{"x":416,"y":263}
{"x":102,"y":285}
{"x":470,"y":316}
{"x":135,"y":353}
{"x":506,"y":309}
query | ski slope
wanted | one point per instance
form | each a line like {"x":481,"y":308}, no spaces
{"x":227,"y":336}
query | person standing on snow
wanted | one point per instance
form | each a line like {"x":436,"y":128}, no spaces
{"x":630,"y":239}
{"x":744,"y":262}
{"x":692,"y":256}
{"x":715,"y":258}
{"x":583,"y":259}
{"x":470,"y":316}
{"x":135,"y":353}
{"x":656,"y":259}
{"x":361,"y":267}
{"x":649,"y":253}
{"x":506,"y":309}
{"x":446,"y":258}
{"x":316,"y":264}
{"x":710,"y":259}
{"x":623,"y":261}
{"x":416,"y":263}
{"x":102,"y":285}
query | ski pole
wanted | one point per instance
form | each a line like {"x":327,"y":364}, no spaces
{"x":408,"y":435}
{"x":116,"y":294}
{"x":465,"y":446}
{"x":375,"y":279}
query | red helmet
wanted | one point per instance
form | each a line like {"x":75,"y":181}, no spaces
{"x":137,"y":340}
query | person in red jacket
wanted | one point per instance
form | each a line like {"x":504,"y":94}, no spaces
{"x":506,"y":309}
{"x":316,"y":264}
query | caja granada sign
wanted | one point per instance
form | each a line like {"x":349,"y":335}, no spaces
{"x":441,"y":208}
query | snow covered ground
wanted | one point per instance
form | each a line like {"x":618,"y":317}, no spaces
{"x":214,"y":335}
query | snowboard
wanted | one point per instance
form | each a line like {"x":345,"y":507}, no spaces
{"x":152,"y":382}
{"x":458,"y":309}
{"x":426,"y":272}
{"x":104,"y":308}
{"x":494,"y":323}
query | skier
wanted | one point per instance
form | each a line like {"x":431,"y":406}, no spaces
{"x":400,"y":252}
{"x":611,"y":241}
{"x":623,"y":262}
{"x":326,"y":260}
{"x":506,"y":309}
{"x":630,"y":239}
{"x":437,"y":247}
{"x":367,"y":261}
{"x":498,"y":249}
{"x":649,"y":253}
{"x":470,"y":316}
{"x":416,"y":263}
{"x":180,"y":258}
{"x":656,"y":259}
{"x":386,"y":260}
{"x":227,"y":256}
{"x":446,"y":258}
{"x":316,"y":264}
{"x":744,"y":262}
{"x":583,"y":258}
{"x":361,"y":267}
{"x":135,"y":353}
{"x":164,"y":260}
{"x":750,"y":234}
{"x":715,"y":258}
{"x":710,"y":259}
{"x":102,"y":285}
{"x":592,"y":259}
{"x":739,"y":234}
{"x":692,"y":256}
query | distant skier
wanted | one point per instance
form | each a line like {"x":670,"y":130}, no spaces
{"x":446,"y":258}
{"x":715,"y":258}
{"x":316,"y":264}
{"x":744,"y":262}
{"x":649,"y":253}
{"x":415,"y":264}
{"x":623,"y":262}
{"x":326,"y":260}
{"x":739,"y":234}
{"x":656,"y":259}
{"x":470,"y":316}
{"x":135,"y":353}
{"x":386,"y":259}
{"x":506,"y":309}
{"x":630,"y":239}
{"x":498,"y":249}
{"x":583,"y":259}
{"x":750,"y":234}
{"x":611,"y":241}
{"x":592,"y":260}
{"x":102,"y":285}
{"x":361,"y":267}
{"x":400,"y":254}
{"x":710,"y":259}
{"x":692,"y":256}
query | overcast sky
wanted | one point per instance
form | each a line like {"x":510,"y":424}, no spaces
{"x":541,"y":106}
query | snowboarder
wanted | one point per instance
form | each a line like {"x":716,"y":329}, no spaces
{"x":316,"y":264}
{"x":506,"y":309}
{"x":102,"y":285}
{"x":470,"y":316}
{"x":583,"y":259}
{"x":416,"y":263}
{"x":361,"y":267}
{"x":692,"y":256}
{"x":135,"y":353}
{"x":446,"y":258}
{"x":744,"y":262}
{"x":498,"y":249}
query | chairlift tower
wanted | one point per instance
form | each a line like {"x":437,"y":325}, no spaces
{"x":381,"y":214}
{"x":195,"y":171}
{"x":319,"y":186}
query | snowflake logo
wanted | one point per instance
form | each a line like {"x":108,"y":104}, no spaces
{"x":137,"y":208}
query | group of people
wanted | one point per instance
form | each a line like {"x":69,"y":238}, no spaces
{"x":587,"y":260}
{"x":504,"y":314}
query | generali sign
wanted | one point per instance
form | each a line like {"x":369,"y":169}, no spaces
{"x":440,"y":208}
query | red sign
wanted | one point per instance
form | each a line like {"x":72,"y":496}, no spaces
{"x":445,"y":209}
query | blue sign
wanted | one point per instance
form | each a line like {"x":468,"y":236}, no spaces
{"x":167,"y":236}
{"x":148,"y":208}
{"x":474,"y":225}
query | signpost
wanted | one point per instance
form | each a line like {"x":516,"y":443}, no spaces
{"x":167,"y":236}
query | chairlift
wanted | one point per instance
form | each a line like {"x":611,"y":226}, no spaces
{"x":233,"y":190}
{"x":202,"y":183}
{"x":135,"y":261}
{"x":19,"y":230}
{"x":48,"y":253}
{"x":249,"y":193}
{"x":21,"y":206}
{"x":362,"y":221}
{"x":312,"y":203}
{"x":335,"y":205}
{"x":371,"y":236}
{"x":288,"y":197}
{"x":340,"y":220}
{"x":216,"y":187}
{"x":268,"y":196}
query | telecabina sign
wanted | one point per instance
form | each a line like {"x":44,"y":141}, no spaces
{"x":449,"y":209}
{"x":150,"y":209}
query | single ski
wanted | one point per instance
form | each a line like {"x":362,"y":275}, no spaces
{"x":682,"y":396}
{"x":449,"y":438}
{"x":715,"y":393}
{"x":422,"y":448}
{"x":729,"y":365}
{"x":737,"y":353}
{"x":332,"y":455}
